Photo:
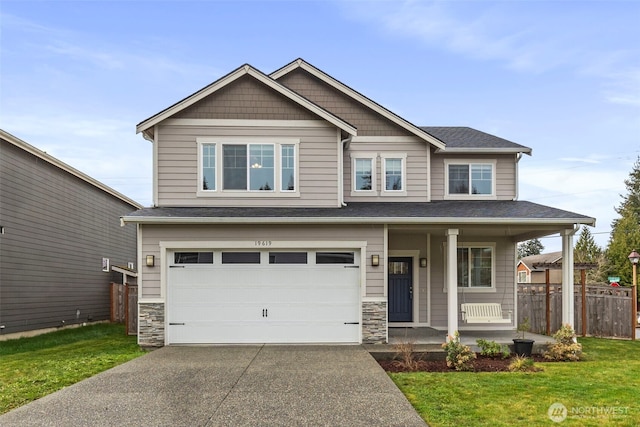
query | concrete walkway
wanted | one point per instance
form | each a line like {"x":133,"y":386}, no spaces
{"x":230,"y":386}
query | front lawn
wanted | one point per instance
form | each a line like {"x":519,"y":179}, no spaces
{"x":31,"y":368}
{"x":603,"y":389}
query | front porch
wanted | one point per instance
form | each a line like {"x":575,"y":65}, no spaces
{"x":428,"y":341}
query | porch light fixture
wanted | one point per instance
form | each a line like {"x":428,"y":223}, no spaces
{"x":423,"y":262}
{"x":375,"y":260}
{"x":151,"y":260}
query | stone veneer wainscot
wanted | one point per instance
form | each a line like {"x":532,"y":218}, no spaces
{"x":151,"y":324}
{"x":374,"y":322}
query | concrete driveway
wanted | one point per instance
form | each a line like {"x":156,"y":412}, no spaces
{"x":230,"y":386}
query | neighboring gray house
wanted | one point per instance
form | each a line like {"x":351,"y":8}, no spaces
{"x":57,"y":228}
{"x":290,"y":208}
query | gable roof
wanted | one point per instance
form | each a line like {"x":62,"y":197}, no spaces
{"x":146,"y":125}
{"x":65,"y":167}
{"x":550,"y":257}
{"x":466,"y":139}
{"x":301,"y":63}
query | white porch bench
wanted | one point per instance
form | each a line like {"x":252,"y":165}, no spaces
{"x":483,"y":313}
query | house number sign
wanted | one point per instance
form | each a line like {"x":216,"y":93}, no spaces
{"x":263,"y":243}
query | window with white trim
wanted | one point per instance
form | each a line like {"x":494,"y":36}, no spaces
{"x":475,"y":266}
{"x":363,"y":175}
{"x":522,"y":277}
{"x":464,"y":179}
{"x":394,"y":174}
{"x":248,"y":168}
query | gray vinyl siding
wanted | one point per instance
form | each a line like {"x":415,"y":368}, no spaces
{"x":417,"y":178}
{"x":367,"y":121}
{"x":505,"y":173}
{"x":505,"y":264}
{"x":177,"y":166}
{"x":152,"y":235}
{"x":57,"y":229}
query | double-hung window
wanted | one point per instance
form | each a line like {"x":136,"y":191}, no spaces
{"x":475,"y":266}
{"x":363,"y":174}
{"x":247,"y":168}
{"x":394,"y":173}
{"x":470,"y":179}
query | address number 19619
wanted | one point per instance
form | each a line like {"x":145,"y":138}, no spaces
{"x":263,"y":242}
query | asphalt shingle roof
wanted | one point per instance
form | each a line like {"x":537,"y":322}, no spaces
{"x":492,"y":209}
{"x":466,"y":137}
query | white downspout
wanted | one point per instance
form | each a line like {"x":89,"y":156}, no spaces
{"x":345,"y":146}
{"x":518,"y":157}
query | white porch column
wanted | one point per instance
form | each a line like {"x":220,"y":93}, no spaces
{"x":567,"y":278}
{"x":452,"y":281}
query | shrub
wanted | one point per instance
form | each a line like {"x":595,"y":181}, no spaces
{"x":405,"y":352}
{"x":492,"y":349}
{"x":459,"y":356}
{"x":523,"y":364}
{"x":565,"y":349}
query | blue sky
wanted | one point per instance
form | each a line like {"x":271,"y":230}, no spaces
{"x":562,"y":77}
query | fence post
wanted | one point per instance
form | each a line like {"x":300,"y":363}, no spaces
{"x":583,"y":282}
{"x":548,"y":301}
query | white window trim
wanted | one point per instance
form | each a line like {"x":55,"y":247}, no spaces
{"x":277,"y":146}
{"x":469,"y":196}
{"x":374,"y":172}
{"x":383,"y":176}
{"x":471,"y":290}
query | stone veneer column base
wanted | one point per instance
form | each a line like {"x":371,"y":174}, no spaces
{"x":151,"y":324}
{"x":374,"y":322}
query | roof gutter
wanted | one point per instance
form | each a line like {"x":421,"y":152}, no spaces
{"x":356,"y":220}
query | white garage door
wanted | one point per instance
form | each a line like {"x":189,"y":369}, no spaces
{"x":263,"y":297}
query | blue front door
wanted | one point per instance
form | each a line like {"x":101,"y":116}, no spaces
{"x":400,"y":289}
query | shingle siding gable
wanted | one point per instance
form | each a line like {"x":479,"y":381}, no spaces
{"x":367,"y":121}
{"x":248,"y":99}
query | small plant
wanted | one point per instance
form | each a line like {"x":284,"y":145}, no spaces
{"x":565,"y":349}
{"x":524,"y":326}
{"x":492,"y":349}
{"x":405,"y":352}
{"x":523,"y":364}
{"x":459,"y":356}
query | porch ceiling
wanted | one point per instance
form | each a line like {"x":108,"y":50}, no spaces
{"x":516,"y":233}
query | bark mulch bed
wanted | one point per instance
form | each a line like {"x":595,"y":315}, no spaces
{"x":480,"y":364}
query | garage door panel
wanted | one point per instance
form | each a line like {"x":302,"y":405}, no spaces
{"x":263,"y":303}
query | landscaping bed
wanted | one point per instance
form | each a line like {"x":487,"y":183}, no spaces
{"x":479,"y":364}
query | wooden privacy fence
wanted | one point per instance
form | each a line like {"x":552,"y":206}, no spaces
{"x":124,"y":306}
{"x":600,"y":310}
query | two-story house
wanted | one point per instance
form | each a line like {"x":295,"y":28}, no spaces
{"x":290,"y":208}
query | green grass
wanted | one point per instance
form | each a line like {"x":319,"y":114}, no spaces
{"x":608,"y":379}
{"x":31,"y":368}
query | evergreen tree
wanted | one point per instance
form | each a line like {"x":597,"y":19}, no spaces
{"x":530,"y":247}
{"x":625,"y":231}
{"x":587,"y":250}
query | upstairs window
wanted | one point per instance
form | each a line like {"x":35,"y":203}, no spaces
{"x":247,"y":168}
{"x":394,"y":173}
{"x":363,"y":175}
{"x":470,"y":179}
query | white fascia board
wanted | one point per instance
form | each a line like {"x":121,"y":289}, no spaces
{"x":229,"y":78}
{"x":355,"y":220}
{"x":451,"y":150}
{"x":250,"y":123}
{"x":65,"y":167}
{"x":360,"y":98}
